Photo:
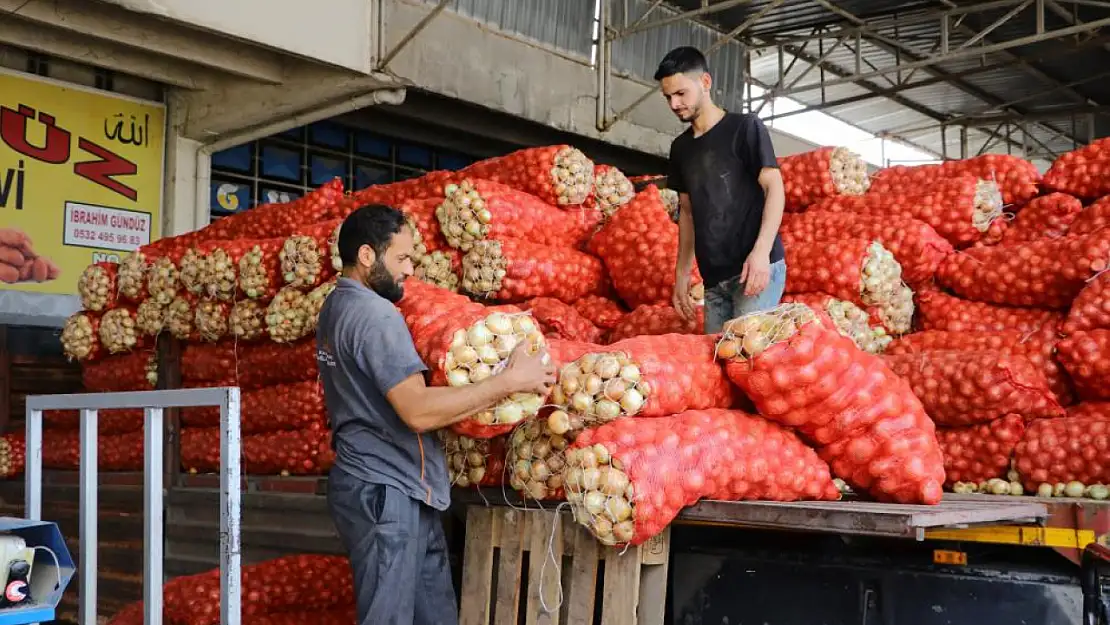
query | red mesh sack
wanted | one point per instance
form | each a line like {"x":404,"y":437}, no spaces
{"x":627,"y":480}
{"x":421,"y":215}
{"x":248,"y":365}
{"x":937,"y":310}
{"x":646,"y":376}
{"x":1082,"y":172}
{"x":601,"y":311}
{"x":1064,"y":450}
{"x":564,"y":352}
{"x":115,"y":452}
{"x":480,"y":210}
{"x":134,"y":371}
{"x":863,"y":418}
{"x":850,"y":320}
{"x":80,"y":337}
{"x":965,"y":387}
{"x":1017,"y":178}
{"x":856,"y":270}
{"x":307,"y":255}
{"x":1091,"y":308}
{"x":559,"y":174}
{"x":13,"y":454}
{"x":996,"y":233}
{"x":474,"y":462}
{"x":280,"y":219}
{"x":959,"y":209}
{"x":1046,"y":217}
{"x":656,"y":319}
{"x":561,"y":321}
{"x":1045,"y":273}
{"x":825,"y":172}
{"x":97,"y":286}
{"x":1086,"y":358}
{"x":514,"y":270}
{"x":639,"y":247}
{"x":612,"y":190}
{"x":295,"y":452}
{"x":425,"y":303}
{"x":1039,"y":348}
{"x":977,"y":453}
{"x":295,"y":406}
{"x":915,"y":245}
{"x":1093,"y":218}
{"x":119,"y":421}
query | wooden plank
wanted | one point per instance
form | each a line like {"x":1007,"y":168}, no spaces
{"x":655,"y":555}
{"x":621,"y":592}
{"x":545,"y":559}
{"x":507,"y":598}
{"x":474,"y":606}
{"x":580,"y":592}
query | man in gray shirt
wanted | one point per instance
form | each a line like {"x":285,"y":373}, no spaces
{"x":389,"y":482}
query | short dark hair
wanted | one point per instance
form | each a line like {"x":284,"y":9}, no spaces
{"x":682,"y":61}
{"x":374,"y":225}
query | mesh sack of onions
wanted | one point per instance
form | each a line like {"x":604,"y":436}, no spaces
{"x":969,"y":387}
{"x":1086,"y":358}
{"x":1065,"y":457}
{"x":259,"y":269}
{"x":430,"y":185}
{"x":1091,"y":308}
{"x":1082,"y":172}
{"x":118,"y":421}
{"x":612,"y":190}
{"x":821,"y":173}
{"x":294,"y":452}
{"x":959,"y":209}
{"x":97,"y":286}
{"x":670,"y":202}
{"x":192,"y":268}
{"x":306,"y":257}
{"x":1039,"y":348}
{"x":1046,"y":217}
{"x":474,"y":462}
{"x":134,"y":371}
{"x":1044,"y":273}
{"x":81,"y":337}
{"x":220,"y":273}
{"x":1093,"y":218}
{"x":1017,"y":178}
{"x":162,"y":279}
{"x":211,"y":320}
{"x":639,"y":247}
{"x":148,"y":265}
{"x":937,"y":310}
{"x":440,"y":268}
{"x":849,"y":319}
{"x":247,"y":320}
{"x":421,"y":217}
{"x":425,"y":304}
{"x":281,"y":219}
{"x":479,"y":210}
{"x":314,"y":302}
{"x":865,"y":420}
{"x":131,"y":276}
{"x":647,"y":376}
{"x":287,"y":317}
{"x":559,"y":174}
{"x":996,"y":233}
{"x":293,"y":406}
{"x":627,"y":480}
{"x":119,"y":330}
{"x":115,"y":452}
{"x":13,"y":454}
{"x":150,"y":318}
{"x":856,"y":270}
{"x":516,"y":270}
{"x":536,"y":457}
{"x":656,"y":319}
{"x":561,"y":321}
{"x":248,"y":365}
{"x":601,"y":311}
{"x":915,"y":245}
{"x":980,"y":452}
{"x":181,"y":318}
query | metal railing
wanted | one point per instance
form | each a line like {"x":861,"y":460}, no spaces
{"x":153,"y":402}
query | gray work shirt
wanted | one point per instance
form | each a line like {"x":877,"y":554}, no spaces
{"x":364,"y":349}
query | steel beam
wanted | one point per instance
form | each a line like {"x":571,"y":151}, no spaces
{"x":1059,"y":113}
{"x":677,"y":17}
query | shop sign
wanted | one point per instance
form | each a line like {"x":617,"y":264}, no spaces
{"x":80,"y":180}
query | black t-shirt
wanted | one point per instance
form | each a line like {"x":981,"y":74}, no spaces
{"x":720,"y":172}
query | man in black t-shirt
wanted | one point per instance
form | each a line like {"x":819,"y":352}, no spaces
{"x":731,"y":198}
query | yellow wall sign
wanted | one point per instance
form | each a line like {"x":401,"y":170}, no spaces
{"x":80,"y":180}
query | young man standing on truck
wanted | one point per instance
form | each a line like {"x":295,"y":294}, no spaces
{"x":389,"y":483}
{"x":731,"y":198}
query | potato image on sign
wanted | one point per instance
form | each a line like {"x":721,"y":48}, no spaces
{"x":20,"y":263}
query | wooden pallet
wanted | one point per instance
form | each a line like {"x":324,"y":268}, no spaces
{"x":497,"y":591}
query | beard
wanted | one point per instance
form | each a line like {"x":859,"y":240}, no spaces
{"x":383,"y":283}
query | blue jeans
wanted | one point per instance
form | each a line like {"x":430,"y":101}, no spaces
{"x":727,"y":301}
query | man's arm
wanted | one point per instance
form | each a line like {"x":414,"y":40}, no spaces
{"x":755,"y":147}
{"x":425,"y":408}
{"x":685,"y":238}
{"x":770,"y":178}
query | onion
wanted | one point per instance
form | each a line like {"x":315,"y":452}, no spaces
{"x":438,"y":268}
{"x":95,"y":287}
{"x":247,"y":320}
{"x":749,"y":336}
{"x":287,"y":316}
{"x":179,"y":318}
{"x":193,"y":266}
{"x":162,"y":281}
{"x":484,"y":268}
{"x":150,"y":317}
{"x":210,"y":320}
{"x":314,"y":301}
{"x":301,"y":261}
{"x":219,"y":276}
{"x":132,"y":275}
{"x":118,"y":331}
{"x":79,"y":339}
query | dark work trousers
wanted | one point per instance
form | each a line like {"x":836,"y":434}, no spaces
{"x":398,"y":553}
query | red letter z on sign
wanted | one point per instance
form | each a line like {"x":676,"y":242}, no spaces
{"x":104,"y":171}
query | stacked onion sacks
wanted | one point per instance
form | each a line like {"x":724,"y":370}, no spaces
{"x":537,"y":456}
{"x":472,"y":462}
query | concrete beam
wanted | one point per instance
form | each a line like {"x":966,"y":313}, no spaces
{"x":103,"y":54}
{"x":106,"y":22}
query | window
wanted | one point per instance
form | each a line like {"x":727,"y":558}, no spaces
{"x":285,"y":166}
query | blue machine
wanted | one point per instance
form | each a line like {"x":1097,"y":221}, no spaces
{"x":50,"y":572}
